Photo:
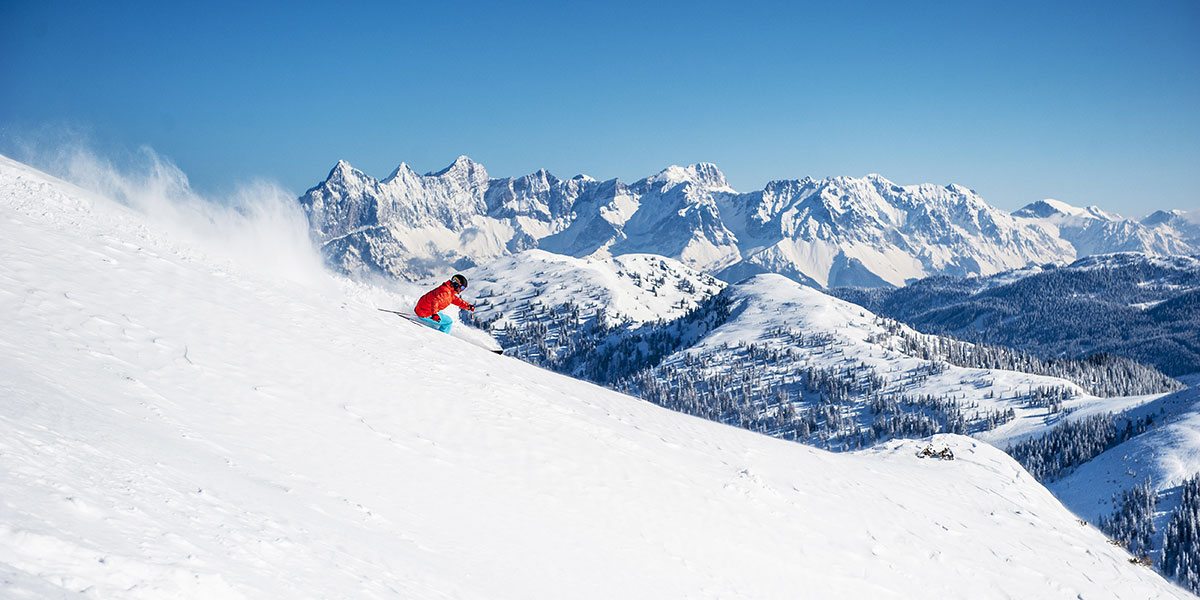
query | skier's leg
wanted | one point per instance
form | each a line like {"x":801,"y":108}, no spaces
{"x":446,"y":322}
{"x":430,"y":322}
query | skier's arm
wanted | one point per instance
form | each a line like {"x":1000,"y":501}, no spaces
{"x":459,"y":302}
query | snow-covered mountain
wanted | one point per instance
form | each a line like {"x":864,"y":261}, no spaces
{"x":1183,"y":224}
{"x":836,"y":231}
{"x":555,"y":310}
{"x":780,"y":343}
{"x":870,"y":232}
{"x":627,"y":289}
{"x":1093,"y":231}
{"x":240,"y":435}
{"x":789,"y":361}
{"x":1061,"y":212}
{"x":1165,"y":455}
{"x":1136,"y":474}
{"x":407,"y":222}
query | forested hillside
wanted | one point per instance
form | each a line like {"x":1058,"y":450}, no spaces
{"x":1146,"y":308}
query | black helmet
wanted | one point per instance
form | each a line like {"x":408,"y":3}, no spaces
{"x":459,"y":282}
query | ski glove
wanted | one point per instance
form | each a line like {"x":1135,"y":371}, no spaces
{"x":436,"y":317}
{"x":471,"y":307}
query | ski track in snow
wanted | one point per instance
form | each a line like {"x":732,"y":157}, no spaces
{"x":173,"y":426}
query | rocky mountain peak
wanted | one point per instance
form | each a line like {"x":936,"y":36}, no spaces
{"x":462,"y":167}
{"x":702,"y":174}
{"x":402,"y":172}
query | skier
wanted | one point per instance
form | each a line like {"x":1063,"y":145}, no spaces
{"x":430,"y":306}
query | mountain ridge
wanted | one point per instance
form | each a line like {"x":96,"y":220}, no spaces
{"x":1092,"y":230}
{"x":1130,"y":304}
{"x":836,"y":231}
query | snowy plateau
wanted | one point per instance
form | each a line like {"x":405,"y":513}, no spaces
{"x":189,"y":411}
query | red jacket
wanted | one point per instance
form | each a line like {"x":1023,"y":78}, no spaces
{"x":437,"y":299}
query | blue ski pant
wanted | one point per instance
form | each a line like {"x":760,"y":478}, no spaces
{"x":443,"y":325}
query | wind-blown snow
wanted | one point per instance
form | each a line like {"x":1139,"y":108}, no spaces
{"x":177,"y":426}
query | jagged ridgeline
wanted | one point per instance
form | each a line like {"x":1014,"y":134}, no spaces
{"x":832,"y":231}
{"x":1142,"y":307}
{"x":837,"y":231}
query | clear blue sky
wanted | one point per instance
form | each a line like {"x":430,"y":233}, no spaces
{"x":1090,"y":102}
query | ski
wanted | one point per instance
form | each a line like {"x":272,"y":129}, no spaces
{"x":415,"y":320}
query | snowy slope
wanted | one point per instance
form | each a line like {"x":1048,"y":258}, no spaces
{"x":176,"y":425}
{"x":1165,"y":455}
{"x":632,"y":288}
{"x":771,"y":310}
{"x":770,"y":334}
{"x":555,"y":311}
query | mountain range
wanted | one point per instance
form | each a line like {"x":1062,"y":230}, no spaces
{"x":836,"y":231}
{"x":1093,"y":231}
